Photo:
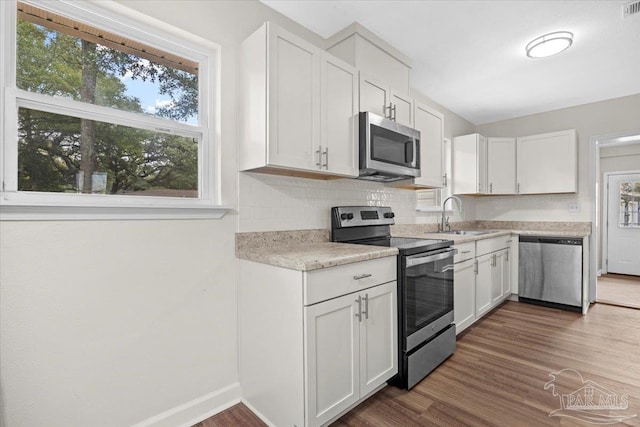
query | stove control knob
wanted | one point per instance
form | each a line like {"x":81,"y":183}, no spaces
{"x":346,"y":216}
{"x":389,"y":215}
{"x":349,"y":216}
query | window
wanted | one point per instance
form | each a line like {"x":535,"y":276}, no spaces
{"x":106,"y":113}
{"x":629,"y":212}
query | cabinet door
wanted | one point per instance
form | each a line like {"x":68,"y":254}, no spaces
{"x":481,"y":167}
{"x":294,"y":100}
{"x":338,"y":150}
{"x":506,"y":274}
{"x":430,"y":123}
{"x":374,"y":96}
{"x":497,"y":277}
{"x":464,"y":294}
{"x":547,"y":163}
{"x":378,"y":336}
{"x":402,"y":108}
{"x":332,"y":355}
{"x":501,"y":165}
{"x":484,"y":276}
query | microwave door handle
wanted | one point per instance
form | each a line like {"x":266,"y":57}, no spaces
{"x":415,"y":152}
{"x":419,"y":260}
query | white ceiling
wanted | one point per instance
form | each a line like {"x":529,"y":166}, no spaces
{"x":469,"y":55}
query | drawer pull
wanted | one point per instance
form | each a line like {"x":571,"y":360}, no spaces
{"x":465,"y":252}
{"x":509,"y":241}
{"x":362,"y":276}
{"x":359,"y":313}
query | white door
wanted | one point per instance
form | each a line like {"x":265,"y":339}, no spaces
{"x":338,"y":151}
{"x":430,"y":123}
{"x":378,"y":336}
{"x":294,"y":101}
{"x":623,"y":228}
{"x":332,"y":354}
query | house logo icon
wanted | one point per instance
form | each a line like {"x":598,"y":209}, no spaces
{"x":586,"y":400}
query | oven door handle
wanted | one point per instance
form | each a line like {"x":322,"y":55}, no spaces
{"x":446,"y":268}
{"x":425,"y":259}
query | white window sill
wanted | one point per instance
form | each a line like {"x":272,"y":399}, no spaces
{"x":68,"y":213}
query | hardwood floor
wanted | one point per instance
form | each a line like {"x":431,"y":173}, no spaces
{"x":618,"y":289}
{"x":498,"y":373}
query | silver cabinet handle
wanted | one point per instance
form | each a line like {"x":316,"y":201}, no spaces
{"x":362,"y":276}
{"x":518,"y":188}
{"x":444,"y":180}
{"x":475,"y":267}
{"x":394,"y":112}
{"x":491,"y":187}
{"x":366,"y":306}
{"x":326,"y":158}
{"x":465,"y":252}
{"x":359,"y":313}
{"x":506,"y":256}
{"x":319,"y":153}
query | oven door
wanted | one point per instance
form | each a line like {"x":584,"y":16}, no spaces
{"x":390,"y":147}
{"x":427,"y":295}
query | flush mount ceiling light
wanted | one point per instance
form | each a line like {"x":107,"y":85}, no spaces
{"x":549,"y":44}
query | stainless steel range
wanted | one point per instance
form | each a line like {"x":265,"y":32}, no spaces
{"x":425,"y":288}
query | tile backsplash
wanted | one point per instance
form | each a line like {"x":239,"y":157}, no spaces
{"x":271,"y":202}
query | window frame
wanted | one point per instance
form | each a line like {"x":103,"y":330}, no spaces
{"x":110,"y":16}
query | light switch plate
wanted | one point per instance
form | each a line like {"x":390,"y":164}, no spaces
{"x":574,"y":207}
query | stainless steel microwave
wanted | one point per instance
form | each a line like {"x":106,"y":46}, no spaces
{"x":389,"y":151}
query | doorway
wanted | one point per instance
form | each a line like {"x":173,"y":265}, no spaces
{"x":621,"y":234}
{"x":618,"y":225}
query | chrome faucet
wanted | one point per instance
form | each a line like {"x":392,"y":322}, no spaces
{"x":444,"y":222}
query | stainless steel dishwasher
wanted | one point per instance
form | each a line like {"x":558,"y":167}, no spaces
{"x":550,"y":271}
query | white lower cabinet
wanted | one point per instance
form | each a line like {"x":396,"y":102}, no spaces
{"x":484,"y":279}
{"x":350,"y":349}
{"x":314,"y":344}
{"x":483,"y":274}
{"x":464,"y":294}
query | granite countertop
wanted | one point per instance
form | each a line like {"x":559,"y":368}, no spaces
{"x":314,"y":256}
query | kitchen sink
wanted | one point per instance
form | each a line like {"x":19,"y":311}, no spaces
{"x":467,"y":232}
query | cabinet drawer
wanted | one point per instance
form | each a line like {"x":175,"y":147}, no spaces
{"x":486,"y":246}
{"x":332,"y":282}
{"x":465,"y":251}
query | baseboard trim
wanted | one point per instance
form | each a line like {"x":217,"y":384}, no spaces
{"x":257,"y":413}
{"x":196,"y":410}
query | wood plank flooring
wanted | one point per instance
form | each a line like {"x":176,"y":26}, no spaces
{"x":618,"y":289}
{"x":499,"y":370}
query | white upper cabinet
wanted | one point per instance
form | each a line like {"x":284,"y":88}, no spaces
{"x":293,"y":100}
{"x":374,"y":96}
{"x":379,"y":98}
{"x":402,"y":108}
{"x":501,"y":165}
{"x":430,"y":123}
{"x":338,"y":150}
{"x":299,"y":107}
{"x":469,"y":164}
{"x":547,"y":163}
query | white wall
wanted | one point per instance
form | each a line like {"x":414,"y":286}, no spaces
{"x":598,"y":118}
{"x":111,"y":323}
